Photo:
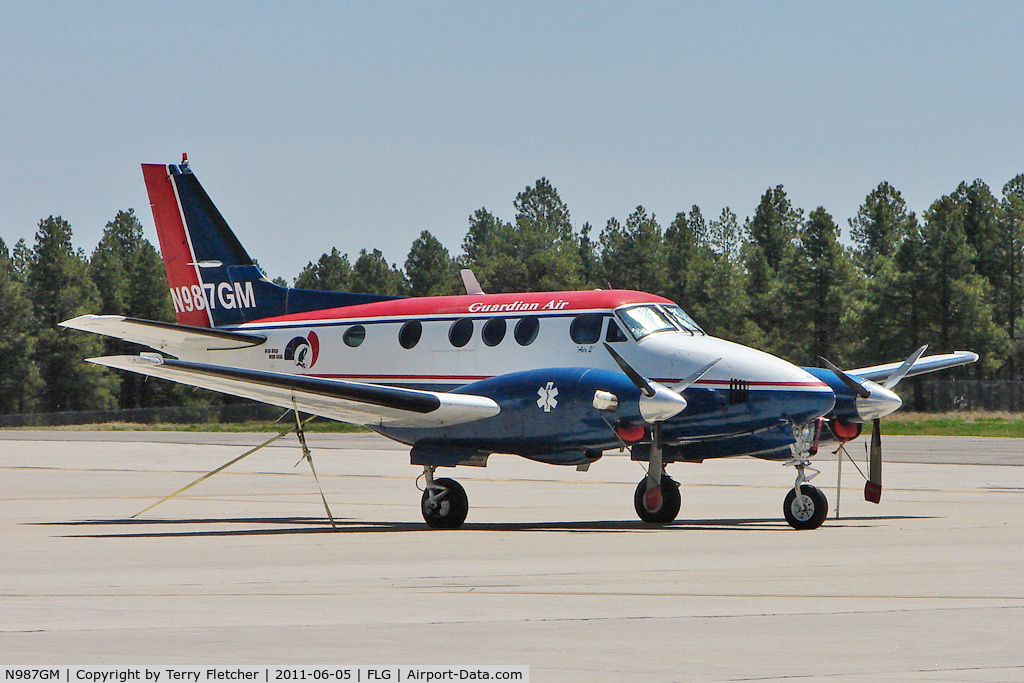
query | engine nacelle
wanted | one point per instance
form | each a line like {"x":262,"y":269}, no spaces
{"x":546,"y":414}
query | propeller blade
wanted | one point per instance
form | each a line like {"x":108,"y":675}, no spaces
{"x":855,"y":386}
{"x":685,"y":383}
{"x":642,"y":384}
{"x":901,"y":372}
{"x":657,"y":402}
{"x":873,"y":487}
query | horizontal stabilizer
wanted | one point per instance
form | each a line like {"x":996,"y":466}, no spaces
{"x":354,"y":402}
{"x":919,"y":367}
{"x":168,"y":337}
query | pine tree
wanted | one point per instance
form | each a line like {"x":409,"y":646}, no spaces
{"x":957,"y":312}
{"x":19,"y":376}
{"x":632,"y":255}
{"x":722,"y":305}
{"x":685,"y":248}
{"x":820,"y":287}
{"x":430,"y":268}
{"x":60,"y":287}
{"x":129,"y":275}
{"x":590,"y":271}
{"x":773,"y":228}
{"x":371,"y":274}
{"x":1009,"y":297}
{"x":332,"y":273}
{"x":772,"y":233}
{"x":888,"y":247}
{"x":540,"y":251}
{"x":880,"y":226}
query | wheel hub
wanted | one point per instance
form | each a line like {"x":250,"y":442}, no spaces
{"x":653,"y":499}
{"x":802,"y":508}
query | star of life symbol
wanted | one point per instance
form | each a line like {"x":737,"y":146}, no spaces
{"x":547,"y":399}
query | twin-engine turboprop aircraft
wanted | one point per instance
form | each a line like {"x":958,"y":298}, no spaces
{"x":557,"y":377}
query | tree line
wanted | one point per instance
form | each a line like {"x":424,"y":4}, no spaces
{"x":781,"y":280}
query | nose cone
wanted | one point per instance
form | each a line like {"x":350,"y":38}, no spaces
{"x":880,"y":403}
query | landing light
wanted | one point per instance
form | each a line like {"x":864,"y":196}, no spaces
{"x":606,"y":401}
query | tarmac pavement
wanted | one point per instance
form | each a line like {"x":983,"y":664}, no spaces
{"x":551,"y":570}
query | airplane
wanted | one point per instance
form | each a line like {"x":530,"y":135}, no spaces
{"x":556,"y":377}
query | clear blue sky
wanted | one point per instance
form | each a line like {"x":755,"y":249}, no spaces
{"x":354,"y":125}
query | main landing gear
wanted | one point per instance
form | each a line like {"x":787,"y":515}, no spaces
{"x":444,"y":503}
{"x":658,"y":505}
{"x":657,"y":496}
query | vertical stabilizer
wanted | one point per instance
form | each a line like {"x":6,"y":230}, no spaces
{"x":175,"y":247}
{"x":213,"y":280}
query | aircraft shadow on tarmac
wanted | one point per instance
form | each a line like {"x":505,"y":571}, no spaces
{"x":317,"y":525}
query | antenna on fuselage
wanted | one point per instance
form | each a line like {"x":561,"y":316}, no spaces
{"x":470,"y":282}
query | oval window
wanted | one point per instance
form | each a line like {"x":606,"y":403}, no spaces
{"x":526,"y":330}
{"x":586,"y":328}
{"x":494,"y":331}
{"x":354,"y":335}
{"x":461,"y":332}
{"x":409,"y":335}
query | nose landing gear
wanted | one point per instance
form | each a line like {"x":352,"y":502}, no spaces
{"x":806,"y":511}
{"x":805,"y":506}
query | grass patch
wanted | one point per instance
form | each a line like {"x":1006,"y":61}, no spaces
{"x":900,"y":424}
{"x":953,"y":424}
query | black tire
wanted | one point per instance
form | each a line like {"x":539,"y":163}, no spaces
{"x":813,"y":512}
{"x":670,"y":501}
{"x":450,"y":510}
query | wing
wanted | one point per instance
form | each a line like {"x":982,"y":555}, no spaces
{"x":355,"y":402}
{"x":167,"y":337}
{"x":920,"y":366}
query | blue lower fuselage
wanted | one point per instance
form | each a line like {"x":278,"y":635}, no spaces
{"x":548,"y":415}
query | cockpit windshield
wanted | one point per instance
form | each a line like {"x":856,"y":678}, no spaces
{"x":644,"y":320}
{"x":680,"y":318}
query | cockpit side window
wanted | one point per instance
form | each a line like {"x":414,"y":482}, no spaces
{"x":614,"y":333}
{"x":644,"y":320}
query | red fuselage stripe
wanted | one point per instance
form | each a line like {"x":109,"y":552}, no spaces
{"x":476,"y":378}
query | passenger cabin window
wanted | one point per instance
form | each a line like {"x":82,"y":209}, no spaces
{"x":494,"y":331}
{"x":409,"y":335}
{"x":586,"y":328}
{"x":354,"y":335}
{"x":644,"y":320}
{"x":615,"y":333}
{"x":684,"y":321}
{"x":526,"y":331}
{"x":461,"y":332}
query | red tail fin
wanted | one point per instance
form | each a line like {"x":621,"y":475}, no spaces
{"x":182,"y":272}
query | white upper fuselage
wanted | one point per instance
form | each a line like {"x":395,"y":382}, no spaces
{"x":463,"y":339}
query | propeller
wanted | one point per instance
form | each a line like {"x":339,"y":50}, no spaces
{"x":855,"y":386}
{"x":873,"y":486}
{"x":657,"y":404}
{"x":901,"y":372}
{"x":875,"y":401}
